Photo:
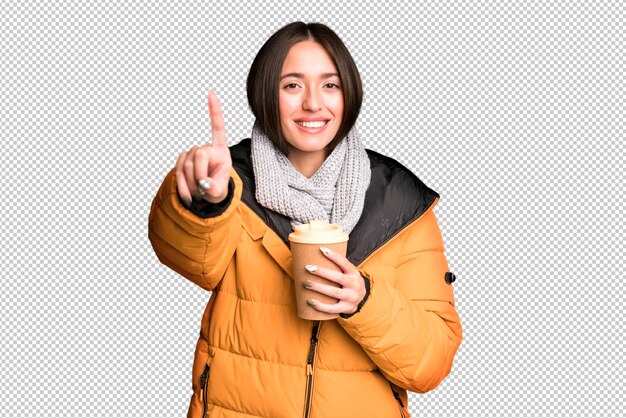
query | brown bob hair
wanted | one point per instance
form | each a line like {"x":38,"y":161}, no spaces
{"x":263,"y":79}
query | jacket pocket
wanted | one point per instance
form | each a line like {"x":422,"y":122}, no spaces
{"x":204,"y":384}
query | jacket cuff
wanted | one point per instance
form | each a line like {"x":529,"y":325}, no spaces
{"x":366,"y":281}
{"x":204,"y":209}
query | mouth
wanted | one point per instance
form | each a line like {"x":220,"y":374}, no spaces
{"x":312,"y":124}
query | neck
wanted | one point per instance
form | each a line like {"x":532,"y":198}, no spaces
{"x":307,"y":163}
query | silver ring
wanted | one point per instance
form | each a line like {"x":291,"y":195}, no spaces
{"x":204,"y":184}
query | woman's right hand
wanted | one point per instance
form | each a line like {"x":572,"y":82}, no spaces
{"x":211,"y":162}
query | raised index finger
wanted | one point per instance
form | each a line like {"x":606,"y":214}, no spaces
{"x":218,"y":132}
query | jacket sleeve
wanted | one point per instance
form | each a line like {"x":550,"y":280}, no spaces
{"x":199,"y":242}
{"x":409,"y":326}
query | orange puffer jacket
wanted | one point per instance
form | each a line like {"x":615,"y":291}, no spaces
{"x":256,"y":358}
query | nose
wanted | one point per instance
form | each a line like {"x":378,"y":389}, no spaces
{"x":311,"y":100}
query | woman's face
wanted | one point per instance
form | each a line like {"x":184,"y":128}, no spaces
{"x":310,"y":95}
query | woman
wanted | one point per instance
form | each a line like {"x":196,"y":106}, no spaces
{"x":221,"y":219}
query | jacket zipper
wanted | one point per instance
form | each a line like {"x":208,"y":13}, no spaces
{"x":204,"y":379}
{"x":309,"y":369}
{"x":397,"y":396}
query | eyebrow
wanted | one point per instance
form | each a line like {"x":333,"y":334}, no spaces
{"x":300,"y":75}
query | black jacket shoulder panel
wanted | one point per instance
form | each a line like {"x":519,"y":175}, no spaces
{"x":394,"y":199}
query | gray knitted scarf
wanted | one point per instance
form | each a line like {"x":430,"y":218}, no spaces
{"x":336,"y":192}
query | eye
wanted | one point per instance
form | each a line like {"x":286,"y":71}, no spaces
{"x":290,"y":84}
{"x":336,"y":86}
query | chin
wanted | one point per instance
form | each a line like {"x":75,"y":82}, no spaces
{"x":314,"y":145}
{"x":305,"y":142}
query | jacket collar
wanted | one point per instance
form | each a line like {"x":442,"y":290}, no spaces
{"x":394,"y":199}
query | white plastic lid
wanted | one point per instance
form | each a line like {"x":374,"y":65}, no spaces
{"x":318,"y":232}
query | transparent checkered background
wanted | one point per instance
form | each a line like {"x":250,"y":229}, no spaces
{"x":513,"y":112}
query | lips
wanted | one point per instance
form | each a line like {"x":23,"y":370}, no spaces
{"x":312,"y":124}
{"x":313,"y":128}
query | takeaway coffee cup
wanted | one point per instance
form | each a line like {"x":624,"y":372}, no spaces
{"x":306,"y":241}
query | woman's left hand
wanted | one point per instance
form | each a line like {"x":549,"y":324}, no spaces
{"x":349,"y":295}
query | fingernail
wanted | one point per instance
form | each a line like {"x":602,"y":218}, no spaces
{"x":325,"y":250}
{"x":308,"y":284}
{"x":310,"y":302}
{"x":311,"y":268}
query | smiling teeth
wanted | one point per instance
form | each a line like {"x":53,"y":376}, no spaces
{"x":312,"y":124}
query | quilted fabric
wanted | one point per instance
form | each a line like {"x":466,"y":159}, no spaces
{"x":256,"y":358}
